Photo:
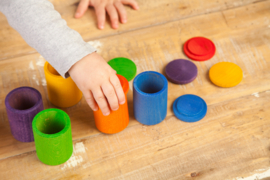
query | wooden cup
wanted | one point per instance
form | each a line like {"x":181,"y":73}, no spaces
{"x":22,"y":104}
{"x":117,"y":120}
{"x":62,"y":92}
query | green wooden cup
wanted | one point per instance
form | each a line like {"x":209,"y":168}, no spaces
{"x":52,"y":135}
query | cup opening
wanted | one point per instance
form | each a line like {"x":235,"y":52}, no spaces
{"x":150,"y":82}
{"x":51,"y":122}
{"x":52,"y":70}
{"x":23,"y":99}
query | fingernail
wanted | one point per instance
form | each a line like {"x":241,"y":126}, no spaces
{"x":101,"y":26}
{"x":77,"y":14}
{"x":95,"y":109}
{"x":115,"y":109}
{"x":124,"y":20}
{"x":122,"y":102}
{"x":106,"y":114}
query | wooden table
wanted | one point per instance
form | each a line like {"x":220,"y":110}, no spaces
{"x":230,"y":143}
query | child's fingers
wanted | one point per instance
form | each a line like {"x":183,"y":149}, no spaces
{"x":109,"y":92}
{"x":90,"y":100}
{"x":101,"y":15}
{"x":83,"y":6}
{"x":113,"y":15}
{"x":132,"y":3}
{"x":122,"y":12}
{"x":101,"y":101}
{"x":118,"y":89}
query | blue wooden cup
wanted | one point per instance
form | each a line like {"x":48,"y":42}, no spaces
{"x":150,"y":95}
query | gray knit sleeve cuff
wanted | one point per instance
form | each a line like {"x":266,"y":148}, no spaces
{"x":74,"y":57}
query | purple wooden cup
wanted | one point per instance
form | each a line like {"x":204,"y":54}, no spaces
{"x":22,"y":104}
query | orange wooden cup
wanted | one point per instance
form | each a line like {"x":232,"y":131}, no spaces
{"x":117,"y":120}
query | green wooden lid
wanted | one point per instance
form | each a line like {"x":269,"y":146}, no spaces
{"x":124,"y":67}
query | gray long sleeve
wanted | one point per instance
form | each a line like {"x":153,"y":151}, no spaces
{"x":43,"y":29}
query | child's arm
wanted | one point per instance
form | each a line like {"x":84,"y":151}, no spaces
{"x":43,"y":28}
{"x":114,"y":8}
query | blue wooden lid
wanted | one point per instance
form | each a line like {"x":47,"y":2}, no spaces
{"x":189,"y":108}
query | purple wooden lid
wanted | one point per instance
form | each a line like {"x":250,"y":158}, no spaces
{"x":181,"y":71}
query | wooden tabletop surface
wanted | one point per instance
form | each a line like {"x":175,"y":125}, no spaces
{"x":230,"y":143}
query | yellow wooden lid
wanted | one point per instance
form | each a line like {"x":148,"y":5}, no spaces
{"x":226,"y":74}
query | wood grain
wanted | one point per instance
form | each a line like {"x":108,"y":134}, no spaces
{"x":152,"y":49}
{"x":151,"y":13}
{"x":231,"y":142}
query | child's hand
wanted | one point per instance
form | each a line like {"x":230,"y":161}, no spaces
{"x":98,"y":83}
{"x":114,"y":8}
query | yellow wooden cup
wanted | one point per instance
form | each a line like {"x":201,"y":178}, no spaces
{"x":62,"y":92}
